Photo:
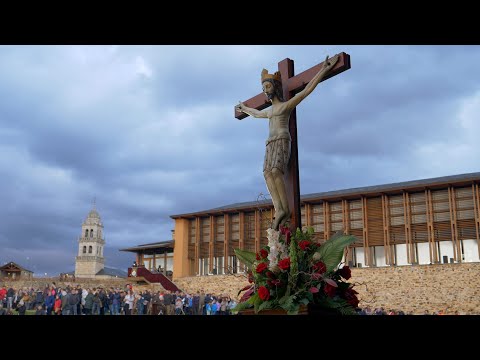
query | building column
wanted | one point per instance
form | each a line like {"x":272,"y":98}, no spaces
{"x":386,"y":230}
{"x":348,"y":253}
{"x":457,"y":254}
{"x":345,"y":217}
{"x":366,"y":248}
{"x":211,"y":243}
{"x":257,"y":231}
{"x":197,"y":245}
{"x":181,"y":265}
{"x":165,"y":263}
{"x":431,"y":228}
{"x":408,"y":230}
{"x":326,"y":220}
{"x":241,"y":236}
{"x":476,"y":206}
{"x":226,"y":239}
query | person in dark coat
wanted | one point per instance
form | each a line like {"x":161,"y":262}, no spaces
{"x":49,"y":303}
{"x":40,"y":310}
{"x":21,"y":308}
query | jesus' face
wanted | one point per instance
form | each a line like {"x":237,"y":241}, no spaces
{"x":268,"y":89}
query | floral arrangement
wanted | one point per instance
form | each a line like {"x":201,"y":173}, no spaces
{"x":292,"y":270}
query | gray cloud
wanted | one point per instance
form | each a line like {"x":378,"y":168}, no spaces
{"x":149,"y":131}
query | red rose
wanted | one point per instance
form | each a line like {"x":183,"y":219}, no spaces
{"x":329,"y":290}
{"x":274,"y":283}
{"x":286,"y":231}
{"x":270,"y":275}
{"x":345,"y":272}
{"x":263,"y":293}
{"x":288,"y":234}
{"x":277,"y":282}
{"x":350,"y":296}
{"x":320,"y":267}
{"x":261,"y":267}
{"x":284,"y":264}
{"x":263,"y":253}
{"x":304,"y":244}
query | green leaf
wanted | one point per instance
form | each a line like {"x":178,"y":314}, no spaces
{"x":257,"y":304}
{"x":246,"y":257}
{"x":287,"y":302}
{"x":253,"y":298}
{"x":340,"y":305}
{"x":298,"y":234}
{"x":331,"y":252}
{"x":265,"y":305}
{"x":304,"y":301}
{"x":241,"y":306}
{"x":310,"y":231}
{"x":293,"y":310}
{"x":283,"y":299}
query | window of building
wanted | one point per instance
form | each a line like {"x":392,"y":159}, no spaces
{"x":90,"y":249}
{"x":84,"y":249}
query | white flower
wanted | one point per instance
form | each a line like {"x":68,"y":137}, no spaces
{"x":277,"y":249}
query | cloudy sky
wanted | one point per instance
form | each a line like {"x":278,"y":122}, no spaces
{"x":149,"y":131}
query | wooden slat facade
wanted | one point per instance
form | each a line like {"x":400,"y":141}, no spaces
{"x":476,"y":204}
{"x":318,"y":222}
{"x":388,"y":220}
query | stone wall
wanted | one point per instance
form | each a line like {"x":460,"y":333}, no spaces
{"x":414,"y":289}
{"x":228,"y":285}
{"x":37,"y":283}
{"x":418,"y":288}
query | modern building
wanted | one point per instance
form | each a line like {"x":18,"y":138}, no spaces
{"x":417,"y":222}
{"x":156,"y":257}
{"x":90,"y":262}
{"x":153,"y":264}
{"x":14,"y":271}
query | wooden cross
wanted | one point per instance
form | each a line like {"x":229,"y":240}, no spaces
{"x":291,"y":85}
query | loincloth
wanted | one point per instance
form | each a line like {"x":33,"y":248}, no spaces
{"x":277,"y":153}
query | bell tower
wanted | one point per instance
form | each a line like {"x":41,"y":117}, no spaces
{"x":90,"y":260}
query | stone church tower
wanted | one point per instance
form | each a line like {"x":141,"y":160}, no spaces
{"x":90,"y":258}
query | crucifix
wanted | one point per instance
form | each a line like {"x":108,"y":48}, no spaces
{"x":284,"y":91}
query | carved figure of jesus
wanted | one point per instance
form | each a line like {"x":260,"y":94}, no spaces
{"x":277,"y":152}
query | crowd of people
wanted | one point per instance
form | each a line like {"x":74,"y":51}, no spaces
{"x":75,"y":300}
